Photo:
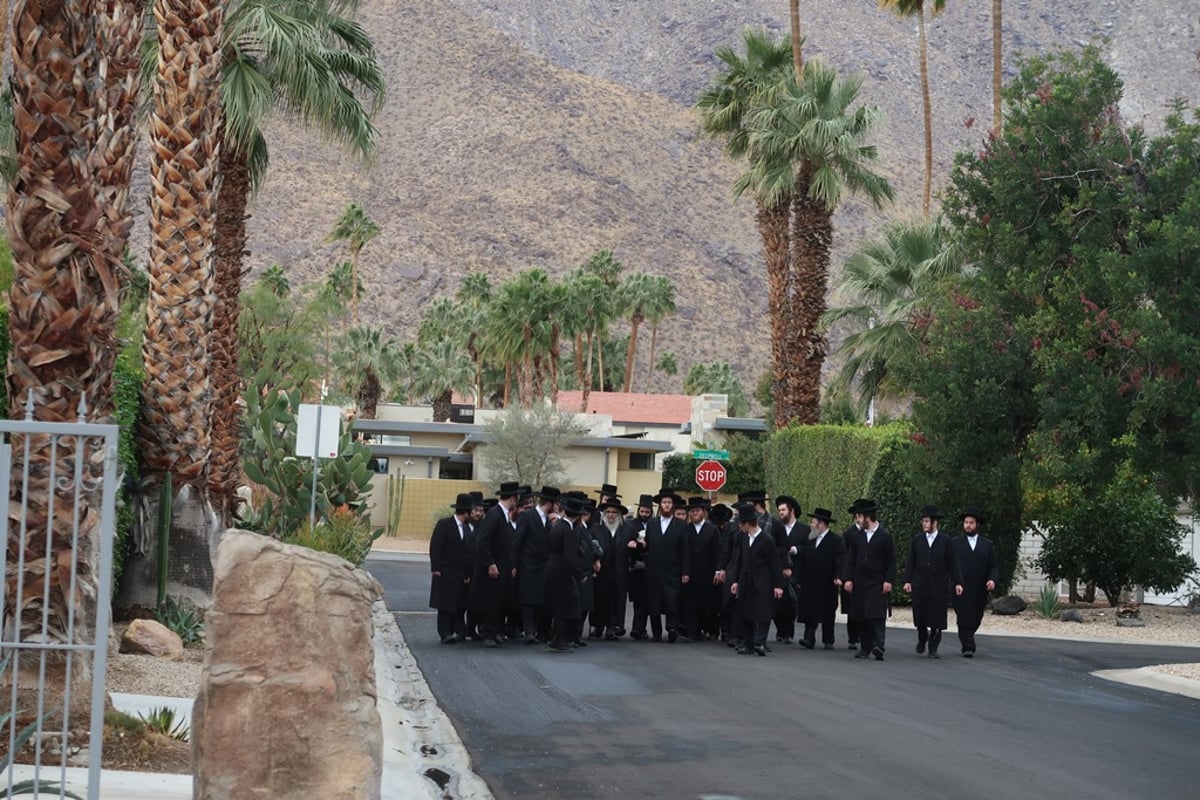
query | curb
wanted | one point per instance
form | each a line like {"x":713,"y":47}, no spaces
{"x":1147,"y":678}
{"x":423,"y":756}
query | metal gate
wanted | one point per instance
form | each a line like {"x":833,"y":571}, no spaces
{"x":55,"y":599}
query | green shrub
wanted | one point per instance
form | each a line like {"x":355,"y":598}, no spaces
{"x":342,"y":533}
{"x":162,"y":720}
{"x":1048,"y":605}
{"x":186,"y":623}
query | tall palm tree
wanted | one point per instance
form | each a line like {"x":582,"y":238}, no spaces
{"x":472,"y":302}
{"x":355,"y":228}
{"x":438,"y":370}
{"x":65,"y":219}
{"x":371,"y":361}
{"x":748,"y":83}
{"x":811,"y":146}
{"x":891,"y":277}
{"x":588,"y":307}
{"x":632,"y":297}
{"x":608,"y":269}
{"x":660,"y":304}
{"x":306,"y":60}
{"x":909,"y":8}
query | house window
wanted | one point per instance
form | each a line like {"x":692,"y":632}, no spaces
{"x":396,"y":439}
{"x":641,"y":461}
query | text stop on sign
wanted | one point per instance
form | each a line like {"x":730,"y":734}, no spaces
{"x":710,"y":475}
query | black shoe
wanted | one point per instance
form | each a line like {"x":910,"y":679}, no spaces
{"x":852,"y":646}
{"x":920,"y":646}
{"x":451,"y":639}
{"x":595,"y":633}
{"x":611,"y":637}
{"x":672,"y":636}
{"x":560,"y":648}
{"x":878,"y":653}
{"x":760,"y":650}
{"x":933,"y":653}
{"x":619,"y":632}
{"x":531,"y":638}
{"x":638,"y":635}
{"x":656,"y":637}
{"x":490,"y":642}
{"x":579,"y":643}
{"x":827,"y":646}
{"x":788,"y":640}
{"x":862,"y":654}
{"x":807,"y":645}
{"x":968,"y":653}
{"x":745,"y":651}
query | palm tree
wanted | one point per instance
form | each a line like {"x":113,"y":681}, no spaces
{"x":810,"y":146}
{"x":892,"y":278}
{"x":659,"y":305}
{"x":632,"y":296}
{"x":65,"y":223}
{"x":907,"y":8}
{"x":472,"y":303}
{"x":725,"y":107}
{"x":304,"y":59}
{"x":797,"y":41}
{"x":604,"y":266}
{"x":356,"y":229}
{"x":438,"y":370}
{"x":997,"y":65}
{"x":588,"y":302}
{"x":371,"y":362}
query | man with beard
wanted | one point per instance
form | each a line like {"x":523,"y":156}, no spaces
{"x":634,"y":540}
{"x":607,"y":533}
{"x":856,"y":523}
{"x":929,"y":569}
{"x":668,"y":560}
{"x":567,"y":569}
{"x":819,"y":568}
{"x":491,"y":581}
{"x":450,"y":567}
{"x":795,"y":535}
{"x":701,"y":596}
{"x":870,"y":571}
{"x":755,"y":579}
{"x":980,"y":572}
{"x":530,"y":552}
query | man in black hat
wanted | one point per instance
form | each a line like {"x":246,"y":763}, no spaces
{"x":819,"y":568}
{"x":634,"y":542}
{"x":701,"y":597}
{"x":607,"y":492}
{"x":668,"y":562}
{"x":491,"y":580}
{"x":795,"y":534}
{"x":728,"y":536}
{"x":755,"y":579}
{"x":980,"y":571}
{"x":870,"y":571}
{"x":928,"y":570}
{"x":568,"y":568}
{"x":530,"y":551}
{"x":450,"y":567}
{"x":856,"y":524}
{"x":606,"y":533}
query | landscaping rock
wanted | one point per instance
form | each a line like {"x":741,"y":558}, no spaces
{"x":153,"y":639}
{"x":1131,"y":622}
{"x":1008,"y":605}
{"x":287,"y":698}
{"x":1071,"y":615}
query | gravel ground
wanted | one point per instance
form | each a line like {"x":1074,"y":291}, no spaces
{"x":155,"y":676}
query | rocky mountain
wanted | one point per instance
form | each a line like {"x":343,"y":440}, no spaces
{"x":521,"y":133}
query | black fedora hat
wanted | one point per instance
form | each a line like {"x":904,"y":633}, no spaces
{"x":464,"y":502}
{"x":865,"y":507}
{"x":614,"y":503}
{"x":698,"y":502}
{"x":791,"y":502}
{"x":720,"y":514}
{"x":571,"y":505}
{"x":508,"y":489}
{"x":548,"y":493}
{"x":823,"y":514}
{"x":666,"y":491}
{"x":972,"y":511}
{"x":477,"y":498}
{"x":747,"y":513}
{"x":646,"y":501}
{"x":607,"y":489}
{"x":931,"y":511}
{"x":754,"y":496}
{"x":857,"y":505}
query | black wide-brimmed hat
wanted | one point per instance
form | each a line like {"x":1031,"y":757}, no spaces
{"x":477,"y":498}
{"x":548,"y":493}
{"x":823,"y":514}
{"x":856,"y":506}
{"x":666,"y":491}
{"x":931,"y":511}
{"x":589,"y":505}
{"x":464,"y":502}
{"x":571,"y":505}
{"x":609,"y":490}
{"x":971,"y":511}
{"x":646,"y":501}
{"x":698,"y":502}
{"x":747,"y":513}
{"x":791,"y":502}
{"x":614,"y":503}
{"x":864,"y":506}
{"x":508,"y":489}
{"x":754,"y":496}
{"x":720,"y":514}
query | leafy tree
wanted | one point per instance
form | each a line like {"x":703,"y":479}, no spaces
{"x":279,"y":339}
{"x":356,"y":228}
{"x":527,"y":445}
{"x":370,"y":362}
{"x":717,"y":378}
{"x":679,"y":471}
{"x":666,"y":363}
{"x":438,"y":369}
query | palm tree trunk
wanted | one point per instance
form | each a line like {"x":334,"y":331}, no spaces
{"x":354,"y":288}
{"x":225,"y":470}
{"x":4,"y":34}
{"x":797,"y":58}
{"x":578,"y":357}
{"x":813,"y":227}
{"x":368,"y":395}
{"x":600,"y":356}
{"x":927,"y":108}
{"x":997,"y":65}
{"x":442,"y":407}
{"x":555,"y":353}
{"x":587,"y":384}
{"x":631,"y":353}
{"x":653,"y":343}
{"x":773,"y":227}
{"x":507,"y":381}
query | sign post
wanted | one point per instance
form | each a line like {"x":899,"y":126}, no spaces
{"x":317,"y":429}
{"x":710,"y":475}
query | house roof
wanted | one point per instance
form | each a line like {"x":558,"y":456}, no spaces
{"x":631,"y":407}
{"x":634,"y":444}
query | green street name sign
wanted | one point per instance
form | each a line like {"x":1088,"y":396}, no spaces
{"x":711,"y":455}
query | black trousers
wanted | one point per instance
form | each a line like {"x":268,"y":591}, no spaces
{"x":656,"y":623}
{"x":826,"y":623}
{"x":872,"y":633}
{"x":637,"y":596}
{"x":853,"y":630}
{"x":451,"y":623}
{"x":967,"y":625}
{"x":754,"y":633}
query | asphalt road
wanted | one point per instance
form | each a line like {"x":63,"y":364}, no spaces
{"x":1023,"y":719}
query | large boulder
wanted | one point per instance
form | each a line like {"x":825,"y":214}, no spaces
{"x":153,"y":639}
{"x":1008,"y":605}
{"x":287,"y":697}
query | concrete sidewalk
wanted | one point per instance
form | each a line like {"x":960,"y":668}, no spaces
{"x":423,"y":757}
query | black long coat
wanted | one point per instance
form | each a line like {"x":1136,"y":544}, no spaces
{"x":756,"y":571}
{"x":845,"y":598}
{"x":668,"y":559}
{"x":933,"y":572}
{"x":870,"y":565}
{"x":530,"y":552}
{"x":978,"y":567}
{"x":449,"y":554}
{"x":816,"y":568}
{"x":566,"y":570}
{"x":704,"y":596}
{"x":607,"y":580}
{"x":587,"y":589}
{"x":728,"y":539}
{"x":493,"y":545}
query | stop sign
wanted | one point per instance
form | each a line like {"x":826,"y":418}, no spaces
{"x":710,"y":475}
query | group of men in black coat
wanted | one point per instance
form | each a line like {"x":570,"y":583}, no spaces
{"x":543,"y":566}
